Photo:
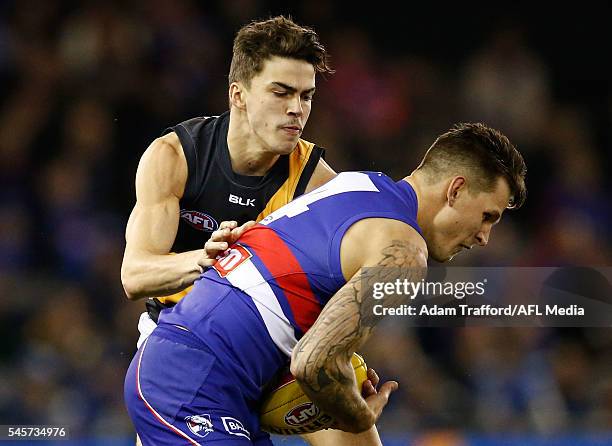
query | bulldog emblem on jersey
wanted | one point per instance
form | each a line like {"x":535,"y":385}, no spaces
{"x":201,"y":425}
{"x":199,"y":220}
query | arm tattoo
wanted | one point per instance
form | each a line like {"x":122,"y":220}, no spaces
{"x":344,"y":324}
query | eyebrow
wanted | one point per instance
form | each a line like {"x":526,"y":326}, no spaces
{"x":290,"y":88}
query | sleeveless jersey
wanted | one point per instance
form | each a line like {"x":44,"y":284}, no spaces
{"x":214,"y":193}
{"x":257,"y":301}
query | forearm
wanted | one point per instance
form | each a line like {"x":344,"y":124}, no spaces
{"x":333,"y":389}
{"x":147,"y":275}
{"x":321,"y":361}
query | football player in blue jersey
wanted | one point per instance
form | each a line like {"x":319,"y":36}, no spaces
{"x":299,"y":285}
{"x":466,"y":180}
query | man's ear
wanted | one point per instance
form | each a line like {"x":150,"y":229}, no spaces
{"x":237,"y":95}
{"x":455,"y":187}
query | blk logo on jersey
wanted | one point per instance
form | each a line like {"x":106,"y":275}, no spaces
{"x":199,"y":220}
{"x":200,"y":425}
{"x":235,"y":427}
{"x":232,"y":259}
{"x":241,"y":201}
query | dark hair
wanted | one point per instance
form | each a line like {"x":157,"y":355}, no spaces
{"x":485,"y":152}
{"x":278,"y":36}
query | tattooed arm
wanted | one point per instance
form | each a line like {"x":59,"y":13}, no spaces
{"x":321,"y":360}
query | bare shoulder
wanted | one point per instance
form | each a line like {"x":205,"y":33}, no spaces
{"x":167,"y":147}
{"x":381,"y":242}
{"x":163,"y":167}
{"x":324,"y":167}
{"x":321,"y":175}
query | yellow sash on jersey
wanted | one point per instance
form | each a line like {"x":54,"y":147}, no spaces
{"x":297,"y":162}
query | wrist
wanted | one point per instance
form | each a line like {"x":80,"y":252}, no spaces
{"x":357,"y":422}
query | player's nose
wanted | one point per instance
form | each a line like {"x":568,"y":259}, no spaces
{"x":482,"y":237}
{"x":295,"y":106}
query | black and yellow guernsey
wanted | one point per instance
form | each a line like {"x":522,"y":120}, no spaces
{"x":214,"y":193}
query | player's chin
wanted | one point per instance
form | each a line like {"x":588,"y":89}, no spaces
{"x":442,"y":257}
{"x":286,"y":146}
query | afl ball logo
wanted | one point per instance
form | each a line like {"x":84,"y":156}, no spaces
{"x":302,"y":414}
{"x":199,"y":220}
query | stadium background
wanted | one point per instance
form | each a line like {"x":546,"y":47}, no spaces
{"x":85,"y":86}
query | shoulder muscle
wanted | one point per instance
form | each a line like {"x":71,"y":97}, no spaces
{"x":162,"y":171}
{"x":381,"y":242}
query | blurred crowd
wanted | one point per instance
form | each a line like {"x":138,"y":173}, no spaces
{"x":86,"y":86}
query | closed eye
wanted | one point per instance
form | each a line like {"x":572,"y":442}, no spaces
{"x":490,"y":217}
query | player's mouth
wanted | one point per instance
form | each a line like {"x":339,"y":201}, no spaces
{"x":294,"y":130}
{"x":463,"y":246}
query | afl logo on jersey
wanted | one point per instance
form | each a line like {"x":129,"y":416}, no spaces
{"x":199,"y":220}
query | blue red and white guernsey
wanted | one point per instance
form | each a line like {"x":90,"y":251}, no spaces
{"x":200,"y":375}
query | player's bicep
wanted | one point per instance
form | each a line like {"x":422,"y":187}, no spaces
{"x":160,"y":181}
{"x":152,"y":228}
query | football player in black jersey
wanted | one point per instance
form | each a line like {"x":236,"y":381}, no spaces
{"x":236,"y":167}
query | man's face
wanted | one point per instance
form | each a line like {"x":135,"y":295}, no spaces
{"x":278,"y":103}
{"x":467,"y":221}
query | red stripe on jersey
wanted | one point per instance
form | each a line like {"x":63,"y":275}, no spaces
{"x":287,"y":272}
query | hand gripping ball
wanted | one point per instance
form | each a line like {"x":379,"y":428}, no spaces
{"x":287,"y":410}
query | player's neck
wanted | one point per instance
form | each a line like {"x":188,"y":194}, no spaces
{"x":247,"y":154}
{"x":426,"y":199}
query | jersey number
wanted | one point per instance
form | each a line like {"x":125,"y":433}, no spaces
{"x":232,"y":259}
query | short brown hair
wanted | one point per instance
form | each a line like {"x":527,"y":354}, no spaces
{"x":485,"y":152}
{"x":279,"y":36}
